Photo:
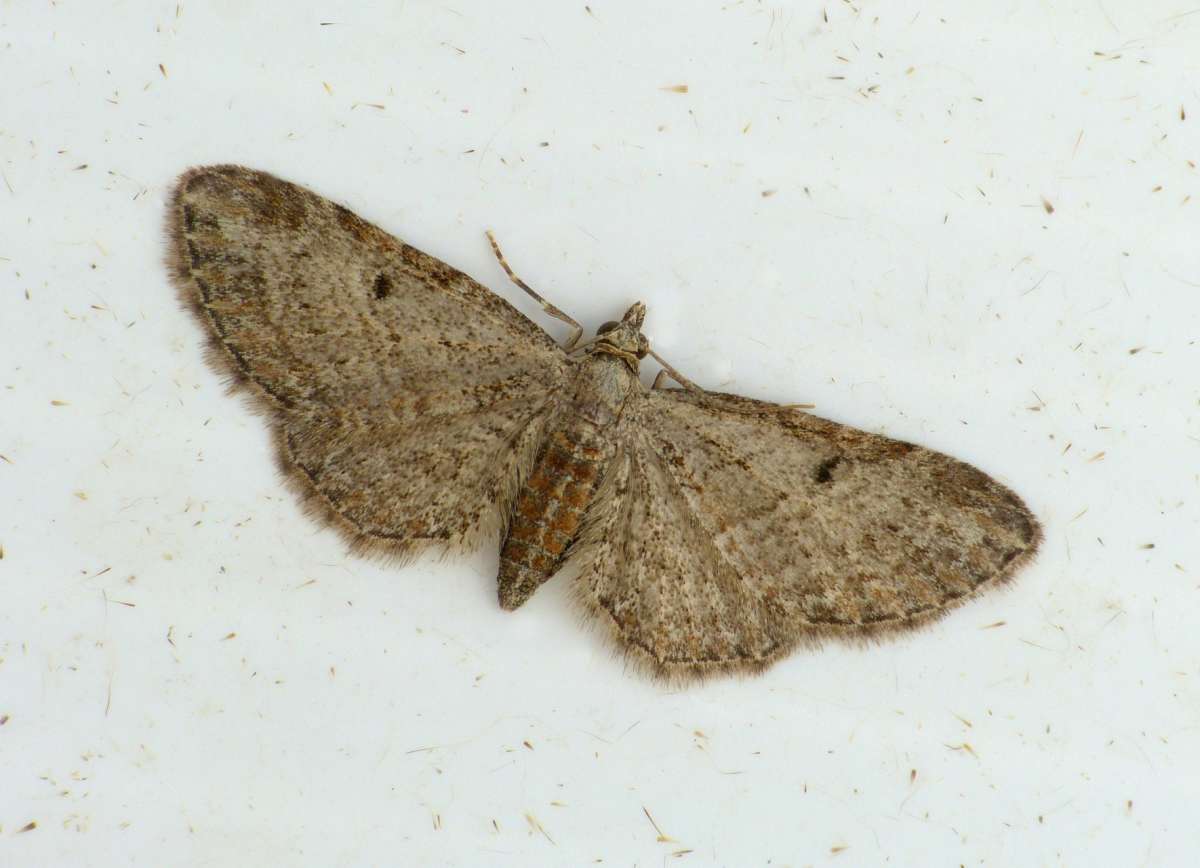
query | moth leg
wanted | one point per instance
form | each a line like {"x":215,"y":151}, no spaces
{"x":576,"y":328}
{"x":668,"y":371}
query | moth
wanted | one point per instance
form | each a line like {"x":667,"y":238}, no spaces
{"x":413,"y":408}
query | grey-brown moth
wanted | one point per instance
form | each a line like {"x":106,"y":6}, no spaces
{"x":414,"y":408}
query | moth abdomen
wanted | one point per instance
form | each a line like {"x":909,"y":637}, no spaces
{"x":549,"y":511}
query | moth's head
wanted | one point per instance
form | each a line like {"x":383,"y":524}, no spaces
{"x":625,"y":337}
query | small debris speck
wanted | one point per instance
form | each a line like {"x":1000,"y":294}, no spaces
{"x":537,"y":827}
{"x":662,"y":838}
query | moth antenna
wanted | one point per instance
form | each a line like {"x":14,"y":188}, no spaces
{"x":672,"y":373}
{"x":550,"y":309}
{"x":583,"y":345}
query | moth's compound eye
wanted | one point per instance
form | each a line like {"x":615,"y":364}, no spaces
{"x":643,"y":346}
{"x":607,"y":327}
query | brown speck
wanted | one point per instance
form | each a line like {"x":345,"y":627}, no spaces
{"x":81,"y":495}
{"x":170,"y":635}
{"x":837,"y":848}
{"x":912,"y":776}
{"x":58,"y":403}
{"x":527,"y":744}
{"x":675,"y":88}
{"x":1182,"y":114}
{"x":662,"y":839}
{"x":537,"y":827}
{"x":1156,"y":189}
{"x":1048,"y":205}
{"x":1099,"y":456}
{"x":28,"y":827}
{"x":328,"y":88}
{"x":767,"y":194}
{"x":1145,"y":546}
{"x":1136,"y":350}
{"x":994,"y":626}
{"x":3,"y":719}
{"x":80,"y":167}
{"x":230,"y":636}
{"x":163,"y":70}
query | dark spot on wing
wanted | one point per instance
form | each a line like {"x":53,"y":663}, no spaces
{"x":824,"y":472}
{"x":383,"y":286}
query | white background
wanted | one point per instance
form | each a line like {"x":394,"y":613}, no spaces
{"x":193,"y":673}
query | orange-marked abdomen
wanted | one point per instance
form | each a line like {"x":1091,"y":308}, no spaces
{"x":549,"y":511}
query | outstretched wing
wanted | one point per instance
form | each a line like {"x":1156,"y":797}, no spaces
{"x":405,"y":395}
{"x":732,"y":530}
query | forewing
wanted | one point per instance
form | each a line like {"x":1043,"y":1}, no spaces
{"x":734,"y":530}
{"x":405,"y":395}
